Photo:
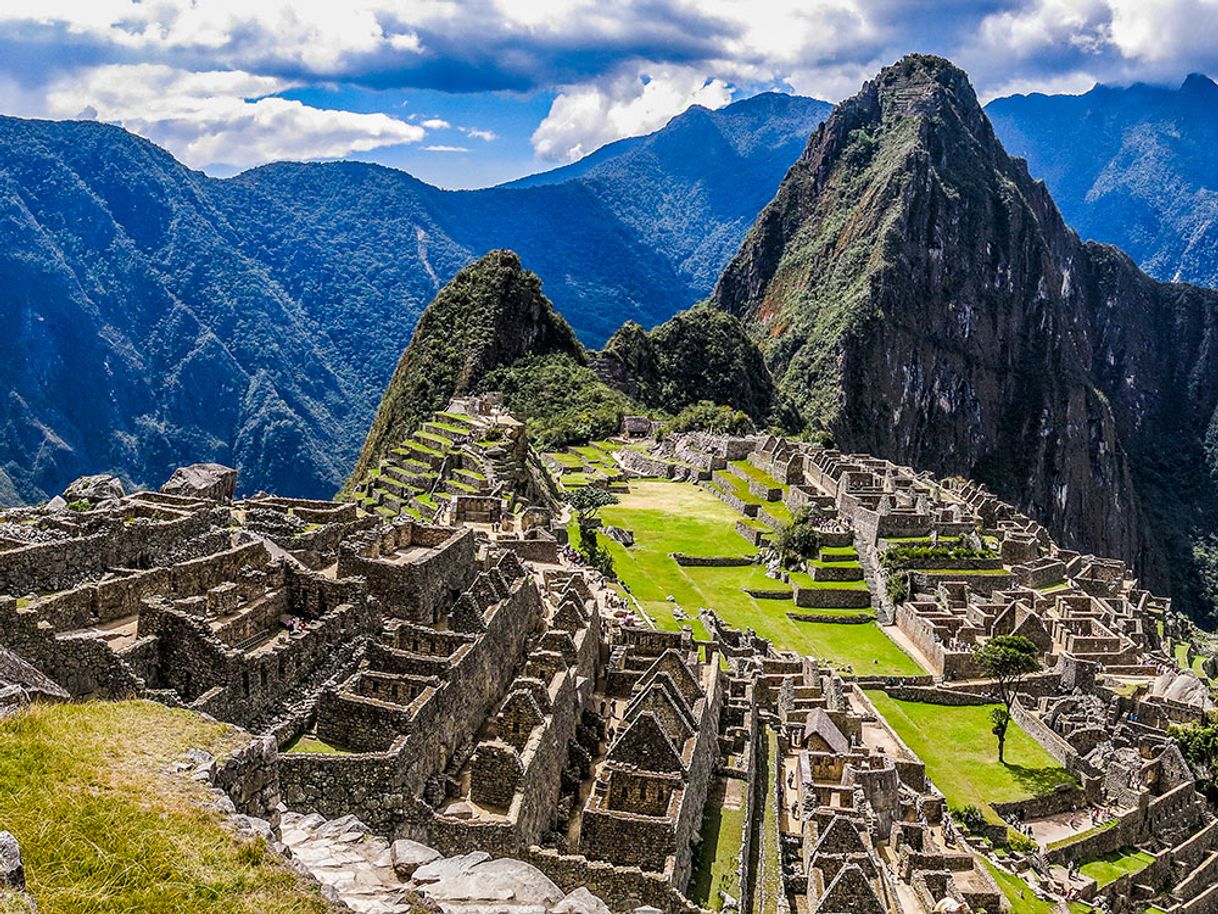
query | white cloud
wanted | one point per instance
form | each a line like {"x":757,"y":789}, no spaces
{"x":486,"y":135}
{"x":446,"y":149}
{"x":436,"y":123}
{"x":221,"y":117}
{"x":583,"y":118}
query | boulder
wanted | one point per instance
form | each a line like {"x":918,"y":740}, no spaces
{"x":210,"y":481}
{"x":581,"y":901}
{"x":449,"y":867}
{"x":12,"y":873}
{"x":502,"y":880}
{"x":407,"y":856}
{"x":94,"y":489}
{"x":57,"y":504}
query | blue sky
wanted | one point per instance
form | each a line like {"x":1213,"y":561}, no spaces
{"x":465,"y":93}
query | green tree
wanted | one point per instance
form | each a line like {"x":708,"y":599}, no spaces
{"x":1006,"y":659}
{"x":797,"y":540}
{"x":587,"y":502}
{"x":1199,"y":746}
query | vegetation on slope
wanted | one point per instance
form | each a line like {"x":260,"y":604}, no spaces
{"x":106,"y":828}
{"x":700,"y":354}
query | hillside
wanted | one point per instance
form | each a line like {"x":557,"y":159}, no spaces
{"x":150,"y":311}
{"x":1140,"y":169}
{"x":918,"y":296}
{"x":104,"y":826}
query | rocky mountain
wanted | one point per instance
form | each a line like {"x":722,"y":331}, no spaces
{"x":1136,"y":167}
{"x":150,"y":311}
{"x":490,"y":316}
{"x":917,"y":295}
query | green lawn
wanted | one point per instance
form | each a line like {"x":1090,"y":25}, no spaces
{"x":668,"y":517}
{"x":719,"y":857}
{"x":769,"y":864}
{"x":1113,"y":866}
{"x":314,"y":745}
{"x":961,"y":754}
{"x":1021,"y":896}
{"x":759,"y":475}
{"x":105,"y":828}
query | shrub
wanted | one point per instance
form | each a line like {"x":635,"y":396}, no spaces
{"x":81,"y":504}
{"x":897,"y":586}
{"x":970,"y":816}
{"x":705,"y":416}
{"x":798,"y":540}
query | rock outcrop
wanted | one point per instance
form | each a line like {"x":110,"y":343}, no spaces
{"x":211,"y":481}
{"x":918,"y":296}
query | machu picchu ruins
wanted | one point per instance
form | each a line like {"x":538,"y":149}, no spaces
{"x":445,"y":695}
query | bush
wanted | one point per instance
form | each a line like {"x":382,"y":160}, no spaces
{"x":797,"y":541}
{"x":81,"y":504}
{"x":970,"y":817}
{"x":705,"y":416}
{"x":899,"y":557}
{"x":897,"y":586}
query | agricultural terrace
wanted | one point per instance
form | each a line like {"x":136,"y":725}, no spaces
{"x":961,"y":754}
{"x":667,"y":517}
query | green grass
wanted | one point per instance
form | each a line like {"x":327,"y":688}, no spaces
{"x":756,"y":474}
{"x":316,"y":746}
{"x":961,"y":754}
{"x":719,"y":857}
{"x":1113,"y":866}
{"x":1071,"y":839}
{"x":671,"y":517}
{"x":804,"y":580}
{"x":1019,"y":894}
{"x":769,"y":868}
{"x":105,"y":829}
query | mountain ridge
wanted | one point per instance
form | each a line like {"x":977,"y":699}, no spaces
{"x":255,"y":320}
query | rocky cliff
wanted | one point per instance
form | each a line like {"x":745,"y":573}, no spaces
{"x":917,"y":295}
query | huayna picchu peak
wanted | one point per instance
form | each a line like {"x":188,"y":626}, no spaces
{"x":878,"y":576}
{"x":917,"y":295}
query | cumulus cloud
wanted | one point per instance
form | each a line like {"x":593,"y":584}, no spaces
{"x":586,"y":117}
{"x":619,"y":67}
{"x":221,"y":117}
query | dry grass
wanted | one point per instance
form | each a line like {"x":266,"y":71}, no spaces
{"x":106,"y":828}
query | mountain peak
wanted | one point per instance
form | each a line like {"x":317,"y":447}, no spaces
{"x":1198,"y":83}
{"x":490,"y":315}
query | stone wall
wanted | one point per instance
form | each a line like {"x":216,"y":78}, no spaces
{"x":59,"y":565}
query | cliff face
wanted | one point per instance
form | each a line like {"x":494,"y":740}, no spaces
{"x":490,"y":316}
{"x":918,"y":296}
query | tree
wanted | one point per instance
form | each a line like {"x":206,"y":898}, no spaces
{"x":798,"y":540}
{"x":1199,"y":746}
{"x":587,"y":502}
{"x":1006,"y":659}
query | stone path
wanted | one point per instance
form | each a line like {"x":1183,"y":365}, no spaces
{"x":353,"y":866}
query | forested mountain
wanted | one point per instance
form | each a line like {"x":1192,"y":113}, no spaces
{"x":151,"y":313}
{"x":918,"y":296}
{"x":1136,"y":167}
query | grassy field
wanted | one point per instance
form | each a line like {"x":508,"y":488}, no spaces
{"x":961,"y":754}
{"x":1112,"y":867}
{"x":105,"y":829}
{"x":1022,"y":898}
{"x":719,"y":861}
{"x":668,"y":517}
